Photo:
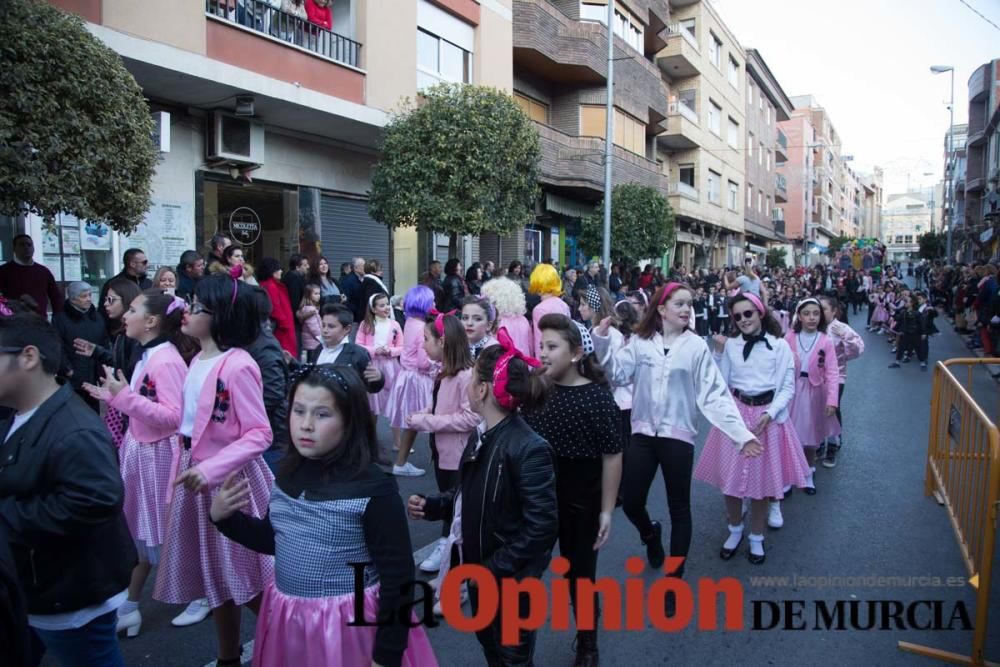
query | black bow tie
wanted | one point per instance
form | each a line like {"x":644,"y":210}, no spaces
{"x":750,"y":341}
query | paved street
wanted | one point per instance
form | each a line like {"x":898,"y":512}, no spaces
{"x":869,"y":518}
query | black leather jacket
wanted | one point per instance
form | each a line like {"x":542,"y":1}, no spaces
{"x":455,"y":291}
{"x":509,"y":519}
{"x":61,"y":507}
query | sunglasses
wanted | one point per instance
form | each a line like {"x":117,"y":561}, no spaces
{"x":112,"y":299}
{"x":745,"y":314}
{"x":198,"y":309}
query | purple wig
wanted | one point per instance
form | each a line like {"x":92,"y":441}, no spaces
{"x":418,"y":302}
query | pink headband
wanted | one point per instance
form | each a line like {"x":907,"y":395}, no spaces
{"x":439,"y":319}
{"x":500,"y":377}
{"x":755,"y":300}
{"x":669,"y":289}
{"x":176,"y":304}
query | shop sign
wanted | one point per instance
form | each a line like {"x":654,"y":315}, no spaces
{"x":244,"y":226}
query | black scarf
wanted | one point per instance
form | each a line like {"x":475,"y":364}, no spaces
{"x":750,"y":341}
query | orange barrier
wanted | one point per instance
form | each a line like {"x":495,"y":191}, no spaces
{"x":963,"y":473}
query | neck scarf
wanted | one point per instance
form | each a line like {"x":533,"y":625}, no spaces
{"x":750,"y":341}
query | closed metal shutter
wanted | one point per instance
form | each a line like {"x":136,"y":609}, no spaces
{"x":347,"y":231}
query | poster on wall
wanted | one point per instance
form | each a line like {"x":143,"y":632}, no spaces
{"x":71,"y":241}
{"x":71,"y":268}
{"x":165,"y":232}
{"x":50,"y":243}
{"x":53,"y":264}
{"x":96,"y":236}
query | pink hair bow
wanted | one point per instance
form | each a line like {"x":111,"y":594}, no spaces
{"x":500,"y":377}
{"x":439,"y":319}
{"x":177,"y":304}
{"x":4,"y":308}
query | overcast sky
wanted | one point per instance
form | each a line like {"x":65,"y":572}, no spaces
{"x":867,"y":62}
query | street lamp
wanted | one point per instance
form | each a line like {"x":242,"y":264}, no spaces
{"x":949,"y":198}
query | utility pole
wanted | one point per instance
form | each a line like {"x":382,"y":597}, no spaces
{"x":949,"y":198}
{"x":609,"y":135}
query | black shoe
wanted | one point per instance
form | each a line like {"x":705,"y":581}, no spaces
{"x":756,"y":560}
{"x":809,"y":490}
{"x":654,"y":547}
{"x":726,"y":554}
{"x":585,"y":646}
{"x":821,"y":452}
{"x":831,"y":456}
{"x":894,"y":364}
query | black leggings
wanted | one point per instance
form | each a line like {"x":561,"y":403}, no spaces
{"x":675,"y":458}
{"x":446,"y":480}
{"x":578,"y":496}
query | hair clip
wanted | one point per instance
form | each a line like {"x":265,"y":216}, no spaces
{"x":327,"y":371}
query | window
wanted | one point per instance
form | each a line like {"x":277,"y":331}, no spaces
{"x":734,"y":134}
{"x":768,"y":161}
{"x":760,"y":201}
{"x":439,"y":60}
{"x":750,"y":145}
{"x":750,"y":89}
{"x":714,"y":181}
{"x":688,"y":26}
{"x":767,"y":203}
{"x":734,"y":73}
{"x":627,"y":26}
{"x":767,"y":114}
{"x":715,"y":118}
{"x":688,"y":99}
{"x":734,"y":196}
{"x":760,"y":155}
{"x":533,"y":108}
{"x":749,"y":196}
{"x":686,"y":172}
{"x":715,"y":52}
{"x":630,"y":133}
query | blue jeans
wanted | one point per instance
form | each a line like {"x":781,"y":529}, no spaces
{"x":93,"y":645}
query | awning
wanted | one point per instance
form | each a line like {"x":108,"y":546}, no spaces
{"x":567,"y":206}
{"x":756,"y":248}
{"x":687,"y":237}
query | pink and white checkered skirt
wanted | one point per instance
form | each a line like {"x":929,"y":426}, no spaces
{"x":390,"y":368}
{"x":781,"y":463}
{"x":807,"y":413}
{"x":198,"y":561}
{"x":411,"y":392}
{"x":146,"y":475}
{"x":115,"y":421}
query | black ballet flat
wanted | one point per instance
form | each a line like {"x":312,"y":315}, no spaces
{"x":754,"y":559}
{"x":726,"y":554}
{"x":809,"y":490}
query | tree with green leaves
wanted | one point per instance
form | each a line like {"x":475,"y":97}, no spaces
{"x":837,"y":243}
{"x":776,"y":257}
{"x":642,"y":224}
{"x":464,"y":160}
{"x":932,"y":245}
{"x":75,"y":131}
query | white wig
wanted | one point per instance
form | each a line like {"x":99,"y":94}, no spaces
{"x":506,"y":296}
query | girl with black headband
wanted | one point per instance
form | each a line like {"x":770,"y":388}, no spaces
{"x":758,"y":367}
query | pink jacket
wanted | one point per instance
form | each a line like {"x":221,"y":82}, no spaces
{"x":155,"y":410}
{"x":848,"y":344}
{"x":231,"y":426}
{"x":414,"y":358}
{"x":819,"y":374}
{"x":548,"y":305}
{"x":452,"y":420}
{"x":366,"y":339}
{"x":519,"y":329}
{"x":312,"y":327}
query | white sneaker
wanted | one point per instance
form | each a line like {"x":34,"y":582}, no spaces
{"x":196,"y":612}
{"x":464,"y":596}
{"x":407,"y":470}
{"x":433,"y":562}
{"x":131,"y":623}
{"x":774,"y":518}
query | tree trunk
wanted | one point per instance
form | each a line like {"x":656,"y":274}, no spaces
{"x":452,"y":245}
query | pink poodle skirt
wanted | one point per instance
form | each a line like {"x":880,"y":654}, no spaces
{"x":390,"y":368}
{"x":782,"y":462}
{"x":880,"y":314}
{"x":808,"y":414}
{"x":314,"y":632}
{"x":411,"y":392}
{"x":198,"y":561}
{"x":146,"y":470}
{"x":115,"y":421}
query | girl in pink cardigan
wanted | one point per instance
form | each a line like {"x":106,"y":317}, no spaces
{"x":152,"y":402}
{"x":224,"y":429}
{"x":382,"y":336}
{"x":308,"y":315}
{"x":449,"y":419}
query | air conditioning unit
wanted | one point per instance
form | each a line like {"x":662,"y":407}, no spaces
{"x":234,"y":140}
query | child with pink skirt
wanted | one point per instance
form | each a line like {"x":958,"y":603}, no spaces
{"x":757,"y":365}
{"x":382,"y":337}
{"x":331,"y":508}
{"x":152,"y":403}
{"x":414,"y":386}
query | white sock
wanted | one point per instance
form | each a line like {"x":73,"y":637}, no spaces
{"x":809,"y":481}
{"x":756,"y":544}
{"x":775,"y":503}
{"x":735,"y":535}
{"x":128,"y":607}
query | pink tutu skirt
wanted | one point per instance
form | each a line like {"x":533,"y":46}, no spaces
{"x":198,"y":561}
{"x":314,"y":632}
{"x":390,"y":368}
{"x":808,"y":414}
{"x":880,"y":314}
{"x":411,"y":392}
{"x":782,"y":462}
{"x":146,"y":475}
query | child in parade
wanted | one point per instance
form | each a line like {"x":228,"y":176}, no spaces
{"x":504,"y":505}
{"x":700,"y":306}
{"x":309,"y":317}
{"x":580,"y":421}
{"x":848,"y":345}
{"x":413,"y":388}
{"x":336,"y":325}
{"x":912,"y":326}
{"x":508,"y":300}
{"x":545,"y":284}
{"x":152,"y":402}
{"x":674,"y":379}
{"x":450,"y":419}
{"x":331,"y":507}
{"x":382,"y":337}
{"x":757,"y":365}
{"x":223,"y":430}
{"x":478,"y":316}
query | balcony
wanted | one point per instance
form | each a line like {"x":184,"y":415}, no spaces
{"x":682,"y":128}
{"x":979,"y":84}
{"x":781,"y":149}
{"x":574,"y":164}
{"x":684,"y":190}
{"x":780,"y":188}
{"x":680,"y":57}
{"x":259,"y":16}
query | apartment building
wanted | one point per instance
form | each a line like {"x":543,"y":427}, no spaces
{"x":955,"y":162}
{"x":980,"y":237}
{"x":905,"y":217}
{"x":702,"y":148}
{"x":794,"y":215}
{"x":560,"y":78}
{"x":871,"y":203}
{"x":269,"y":124}
{"x":766,"y":149}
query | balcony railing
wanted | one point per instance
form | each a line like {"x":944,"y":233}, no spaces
{"x":681,"y":188}
{"x":685,"y":111}
{"x":261,"y":16}
{"x":677,"y":29}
